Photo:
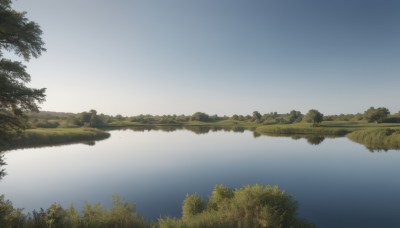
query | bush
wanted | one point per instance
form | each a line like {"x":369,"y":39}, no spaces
{"x":192,"y":205}
{"x":250,"y":206}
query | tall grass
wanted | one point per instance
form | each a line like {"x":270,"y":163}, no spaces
{"x":55,"y":136}
{"x":301,"y":129}
{"x":377,"y":139}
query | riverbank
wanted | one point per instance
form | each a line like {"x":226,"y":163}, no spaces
{"x":56,"y":136}
{"x":326,"y":128}
{"x":371,"y":135}
{"x":377,"y":139}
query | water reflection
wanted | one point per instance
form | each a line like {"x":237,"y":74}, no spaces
{"x":195,"y":129}
{"x":315,"y":140}
{"x":312,"y":140}
{"x":334,"y":185}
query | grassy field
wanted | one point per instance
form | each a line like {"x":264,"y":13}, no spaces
{"x":56,"y":136}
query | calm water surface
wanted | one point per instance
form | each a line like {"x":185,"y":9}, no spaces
{"x":337,"y":183}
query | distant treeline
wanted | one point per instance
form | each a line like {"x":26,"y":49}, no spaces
{"x":93,"y":119}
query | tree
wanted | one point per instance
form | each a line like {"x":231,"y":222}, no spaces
{"x":192,"y":205}
{"x":23,"y":37}
{"x":200,"y":116}
{"x":295,"y":116}
{"x":376,"y":114}
{"x":256,"y":116}
{"x":313,"y":116}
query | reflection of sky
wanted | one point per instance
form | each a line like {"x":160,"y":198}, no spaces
{"x":157,"y":169}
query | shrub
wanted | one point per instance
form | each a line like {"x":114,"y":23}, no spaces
{"x":250,"y":206}
{"x":192,"y":205}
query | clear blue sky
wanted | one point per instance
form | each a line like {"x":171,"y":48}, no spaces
{"x":217,"y":56}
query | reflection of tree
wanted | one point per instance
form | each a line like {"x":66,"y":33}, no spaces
{"x":155,"y":128}
{"x":377,"y":149}
{"x":238,"y":129}
{"x":256,"y":134}
{"x":198,"y":129}
{"x":195,"y":129}
{"x":2,"y":163}
{"x":315,"y":140}
{"x":89,"y":143}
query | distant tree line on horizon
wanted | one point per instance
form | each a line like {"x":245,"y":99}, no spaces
{"x":93,"y":119}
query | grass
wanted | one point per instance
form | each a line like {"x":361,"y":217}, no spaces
{"x":326,"y":128}
{"x":301,"y":129}
{"x":377,"y":139}
{"x":56,"y":136}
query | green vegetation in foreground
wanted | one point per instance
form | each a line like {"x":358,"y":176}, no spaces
{"x":55,"y":136}
{"x":377,"y":139}
{"x":249,"y":206}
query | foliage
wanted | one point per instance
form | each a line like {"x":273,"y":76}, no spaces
{"x":89,"y":119}
{"x":9,"y":216}
{"x":192,"y":205}
{"x":120,"y":215}
{"x":295,"y":116}
{"x":249,"y":206}
{"x":23,"y":37}
{"x":256,"y":116}
{"x":47,"y":124}
{"x":377,"y":139}
{"x":377,"y":115}
{"x":200,"y":116}
{"x":344,"y":117}
{"x":313,"y":116}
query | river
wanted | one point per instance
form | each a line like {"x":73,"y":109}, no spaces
{"x":337,"y":183}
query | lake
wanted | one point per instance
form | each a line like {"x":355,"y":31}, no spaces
{"x":336,"y":183}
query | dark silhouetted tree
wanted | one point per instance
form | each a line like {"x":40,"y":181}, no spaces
{"x":23,"y":37}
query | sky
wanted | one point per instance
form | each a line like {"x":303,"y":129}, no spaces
{"x":217,"y":56}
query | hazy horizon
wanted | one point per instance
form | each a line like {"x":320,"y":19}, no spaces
{"x":219,"y":57}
